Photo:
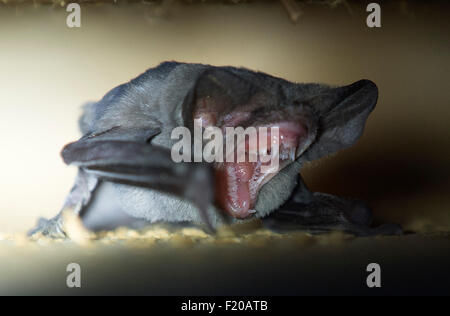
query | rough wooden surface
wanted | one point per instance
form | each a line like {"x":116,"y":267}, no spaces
{"x":159,"y":261}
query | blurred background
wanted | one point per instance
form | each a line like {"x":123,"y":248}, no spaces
{"x":400,"y":166}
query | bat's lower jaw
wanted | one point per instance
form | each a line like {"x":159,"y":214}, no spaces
{"x":238,"y":186}
{"x":268,"y":149}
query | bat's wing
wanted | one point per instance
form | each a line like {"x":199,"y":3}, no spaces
{"x":327,"y":213}
{"x":316,"y":212}
{"x":126,"y":156}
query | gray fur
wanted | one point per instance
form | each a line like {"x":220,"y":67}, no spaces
{"x":161,"y":99}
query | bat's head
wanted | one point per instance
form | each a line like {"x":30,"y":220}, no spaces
{"x":312,"y":121}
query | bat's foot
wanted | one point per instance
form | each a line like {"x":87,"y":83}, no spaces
{"x":319,"y":213}
{"x":52,"y":228}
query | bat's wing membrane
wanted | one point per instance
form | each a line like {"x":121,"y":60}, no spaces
{"x":316,"y":212}
{"x":126,"y":156}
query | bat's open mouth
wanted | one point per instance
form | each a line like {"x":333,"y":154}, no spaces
{"x":238,"y":183}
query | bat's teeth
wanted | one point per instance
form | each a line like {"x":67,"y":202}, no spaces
{"x":292,"y":153}
{"x":251,"y":211}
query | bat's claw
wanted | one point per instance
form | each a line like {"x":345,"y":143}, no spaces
{"x":49,"y":228}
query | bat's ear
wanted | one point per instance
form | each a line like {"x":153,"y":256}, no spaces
{"x":342,"y":112}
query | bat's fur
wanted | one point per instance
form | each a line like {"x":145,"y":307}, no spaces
{"x":150,"y":100}
{"x":162,"y":99}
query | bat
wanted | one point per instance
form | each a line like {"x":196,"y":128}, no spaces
{"x":126,"y":176}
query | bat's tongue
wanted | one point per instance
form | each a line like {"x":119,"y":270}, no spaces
{"x":233,"y":188}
